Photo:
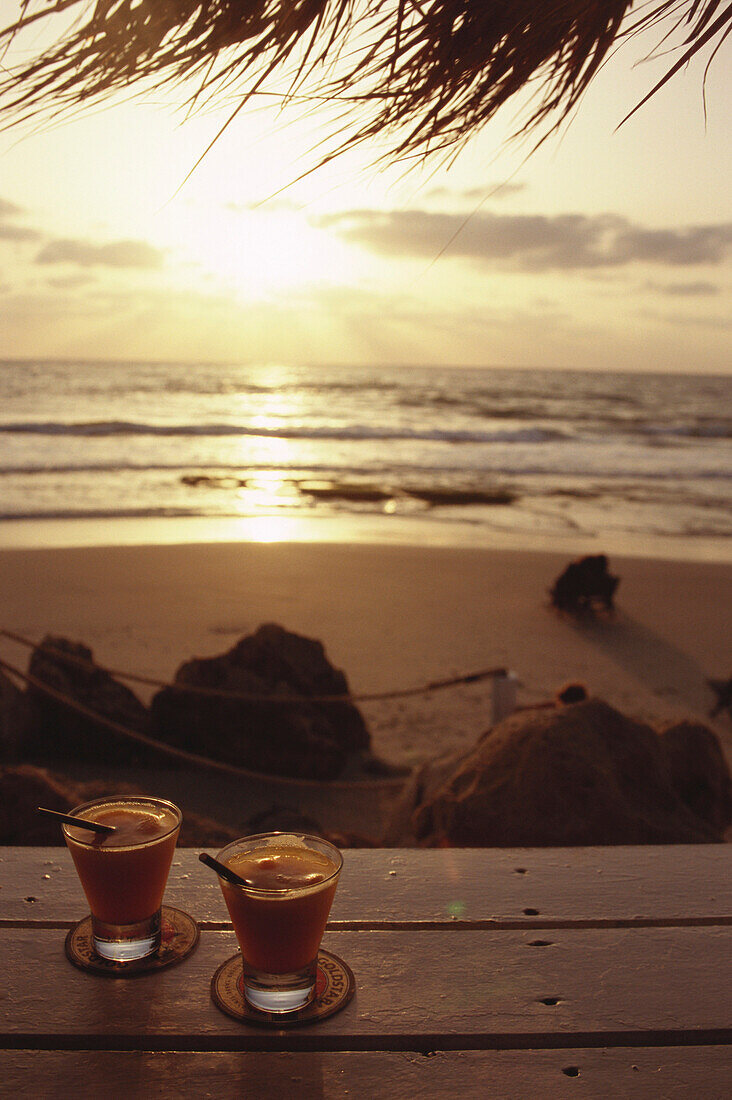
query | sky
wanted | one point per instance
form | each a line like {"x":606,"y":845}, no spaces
{"x":608,"y":248}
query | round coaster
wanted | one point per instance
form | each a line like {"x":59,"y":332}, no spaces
{"x":179,"y":936}
{"x":334,"y":987}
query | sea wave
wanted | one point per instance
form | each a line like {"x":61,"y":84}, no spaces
{"x":392,"y":471}
{"x":599,"y":452}
{"x":721,"y":429}
{"x":113,"y":513}
{"x":103,"y":428}
{"x":592,"y":430}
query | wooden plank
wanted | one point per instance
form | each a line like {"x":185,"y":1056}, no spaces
{"x":536,"y":887}
{"x":448,"y":989}
{"x":627,"y":1074}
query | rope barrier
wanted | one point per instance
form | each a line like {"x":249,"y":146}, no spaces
{"x":207,"y":762}
{"x":192,"y":757}
{"x":252,"y":697}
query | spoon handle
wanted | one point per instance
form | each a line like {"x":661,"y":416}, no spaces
{"x":78,"y":822}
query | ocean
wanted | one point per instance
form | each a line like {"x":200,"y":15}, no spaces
{"x":456,"y":455}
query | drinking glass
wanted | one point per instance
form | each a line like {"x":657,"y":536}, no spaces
{"x":124,"y":873}
{"x":279,"y":916}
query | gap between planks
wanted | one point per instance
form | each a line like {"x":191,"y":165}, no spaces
{"x":256,"y":1039}
{"x":439,"y":925}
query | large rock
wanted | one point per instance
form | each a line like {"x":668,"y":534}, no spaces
{"x":577,"y":775}
{"x":699,"y":772}
{"x":60,"y":732}
{"x":299,"y":738}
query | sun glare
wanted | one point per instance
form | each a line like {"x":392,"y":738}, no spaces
{"x":273,"y":528}
{"x":260,"y":253}
{"x":268,"y":491}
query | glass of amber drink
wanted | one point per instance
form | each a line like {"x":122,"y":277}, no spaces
{"x":280,"y":914}
{"x":124,"y":873}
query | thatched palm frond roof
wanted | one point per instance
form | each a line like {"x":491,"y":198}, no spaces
{"x":427,"y":73}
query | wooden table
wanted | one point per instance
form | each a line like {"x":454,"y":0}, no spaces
{"x":576,"y":972}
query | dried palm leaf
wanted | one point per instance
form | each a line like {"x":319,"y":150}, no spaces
{"x":426,"y":73}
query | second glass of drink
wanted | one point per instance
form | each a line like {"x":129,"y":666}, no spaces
{"x":280,"y":914}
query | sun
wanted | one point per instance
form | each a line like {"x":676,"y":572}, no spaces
{"x":261,"y":253}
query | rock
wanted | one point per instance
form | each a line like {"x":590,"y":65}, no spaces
{"x":699,"y":771}
{"x":351,"y":840}
{"x":58,"y":732}
{"x":723,"y":691}
{"x":584,"y":585}
{"x":288,"y":819}
{"x":342,"y":490}
{"x":203,"y":832}
{"x":571,"y":693}
{"x":22,"y":790}
{"x":14,"y":721}
{"x":420,"y":789}
{"x":301,"y":739}
{"x":195,"y":831}
{"x":580,"y":774}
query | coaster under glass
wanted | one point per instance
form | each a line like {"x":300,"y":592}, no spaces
{"x":334,"y":987}
{"x":178,"y":938}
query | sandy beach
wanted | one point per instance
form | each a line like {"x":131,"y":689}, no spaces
{"x":390,"y":617}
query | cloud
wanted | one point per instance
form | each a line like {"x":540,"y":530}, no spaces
{"x":17,"y":233}
{"x":704,"y":244}
{"x":10,"y":232}
{"x":478,"y":194}
{"x":698,"y":289}
{"x":531,"y":242}
{"x":718,"y":323}
{"x":136,"y":254}
{"x":71,"y":281}
{"x":9,"y":209}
